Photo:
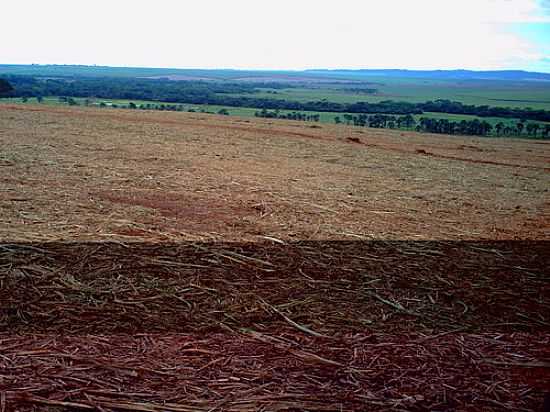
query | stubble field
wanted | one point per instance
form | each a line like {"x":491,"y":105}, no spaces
{"x":160,"y":261}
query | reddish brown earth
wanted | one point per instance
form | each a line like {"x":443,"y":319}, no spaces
{"x":178,"y":262}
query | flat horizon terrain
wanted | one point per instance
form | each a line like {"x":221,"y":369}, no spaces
{"x":492,"y":88}
{"x":168,"y":261}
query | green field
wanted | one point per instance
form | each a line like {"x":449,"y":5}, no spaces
{"x":521,"y":90}
{"x":324,"y":117}
{"x":497,"y":94}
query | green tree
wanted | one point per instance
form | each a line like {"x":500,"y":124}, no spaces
{"x":5,"y":88}
{"x":532,"y":129}
{"x":485,"y":128}
{"x":499,"y":127}
{"x":405,"y":121}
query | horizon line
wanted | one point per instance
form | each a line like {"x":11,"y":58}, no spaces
{"x":280,"y":69}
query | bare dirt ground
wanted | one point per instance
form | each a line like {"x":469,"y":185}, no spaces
{"x":159,"y":261}
{"x":91,"y":174}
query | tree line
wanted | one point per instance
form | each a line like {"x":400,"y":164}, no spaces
{"x":220,"y":93}
{"x":473,"y":127}
{"x":305,"y":117}
{"x":448,"y":106}
{"x":141,"y":106}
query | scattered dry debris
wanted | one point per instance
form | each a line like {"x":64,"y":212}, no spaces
{"x":171,"y":262}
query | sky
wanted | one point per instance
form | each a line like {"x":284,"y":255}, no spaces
{"x":283,"y":34}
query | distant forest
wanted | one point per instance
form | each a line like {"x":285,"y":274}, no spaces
{"x":223,"y":94}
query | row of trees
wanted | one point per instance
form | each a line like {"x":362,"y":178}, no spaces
{"x":305,"y":117}
{"x":131,"y":105}
{"x":464,"y":127}
{"x":378,"y":121}
{"x":223,"y":94}
{"x":448,"y":106}
{"x":473,"y":127}
{"x":5,"y":88}
{"x":425,"y":124}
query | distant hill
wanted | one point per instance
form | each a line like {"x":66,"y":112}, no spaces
{"x":514,"y":75}
{"x":313,"y":76}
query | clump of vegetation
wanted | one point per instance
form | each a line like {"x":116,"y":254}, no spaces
{"x":5,"y":88}
{"x":305,"y":117}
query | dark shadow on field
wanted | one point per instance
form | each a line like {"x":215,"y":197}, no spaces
{"x":324,"y":287}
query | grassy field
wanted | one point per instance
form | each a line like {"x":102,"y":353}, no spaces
{"x":499,"y":94}
{"x":324,"y":117}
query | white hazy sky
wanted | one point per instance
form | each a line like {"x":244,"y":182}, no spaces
{"x":283,"y":34}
